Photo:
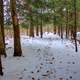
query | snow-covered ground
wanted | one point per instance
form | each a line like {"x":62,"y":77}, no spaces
{"x":78,"y":35}
{"x":49,"y":58}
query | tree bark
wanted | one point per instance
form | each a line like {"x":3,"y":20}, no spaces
{"x":41,"y":29}
{"x":1,"y":72}
{"x":17,"y":44}
{"x":67,"y":24}
{"x":75,"y":26}
{"x":2,"y":38}
{"x":27,"y":32}
{"x":2,"y":19}
{"x":37,"y":28}
{"x":61,"y":32}
{"x":31,"y":26}
{"x":54,"y":29}
{"x":2,"y":51}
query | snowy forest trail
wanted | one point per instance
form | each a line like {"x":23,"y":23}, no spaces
{"x":49,"y":58}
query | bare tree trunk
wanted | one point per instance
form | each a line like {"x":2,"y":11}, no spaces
{"x":37,"y":28}
{"x":2,"y":19}
{"x":61,"y":25}
{"x":54,"y":29}
{"x":2,"y":41}
{"x":67,"y":24}
{"x":1,"y":72}
{"x":75,"y":26}
{"x":61,"y":32}
{"x":72,"y":32}
{"x":27,"y":31}
{"x":2,"y":50}
{"x":41,"y":29}
{"x":31,"y":26}
{"x":47,"y":28}
{"x":17,"y":44}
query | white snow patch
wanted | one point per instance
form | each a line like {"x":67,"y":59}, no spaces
{"x":49,"y":58}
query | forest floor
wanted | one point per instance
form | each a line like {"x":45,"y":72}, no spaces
{"x":49,"y":58}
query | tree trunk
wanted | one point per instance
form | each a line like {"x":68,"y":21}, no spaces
{"x":27,"y":32}
{"x":37,"y":28}
{"x":61,"y":32}
{"x":75,"y":26}
{"x":61,"y":25}
{"x":2,"y":50}
{"x":67,"y":23}
{"x":72,"y":32}
{"x":1,"y":72}
{"x":31,"y":26}
{"x":2,"y":40}
{"x":2,"y":19}
{"x":41,"y":29}
{"x":17,"y":45}
{"x":54,"y":29}
{"x":37,"y":31}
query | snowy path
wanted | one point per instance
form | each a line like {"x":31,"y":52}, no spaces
{"x":43,"y":59}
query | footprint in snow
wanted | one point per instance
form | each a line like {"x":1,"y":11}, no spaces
{"x":33,"y":78}
{"x":74,"y":72}
{"x":38,"y":50}
{"x":70,"y":77}
{"x":68,"y":62}
{"x":60,"y":78}
{"x":25,"y":70}
{"x":20,"y":77}
{"x":73,"y":62}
